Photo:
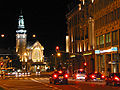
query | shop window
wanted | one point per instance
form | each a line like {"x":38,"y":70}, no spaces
{"x":98,"y":63}
{"x":102,"y":63}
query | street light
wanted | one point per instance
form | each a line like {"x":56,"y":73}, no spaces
{"x":2,"y":35}
{"x":34,"y":35}
{"x":58,"y":54}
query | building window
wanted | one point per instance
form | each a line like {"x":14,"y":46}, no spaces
{"x":107,"y":39}
{"x":98,"y":63}
{"x":97,"y":42}
{"x":102,"y":63}
{"x":83,"y":47}
{"x":102,"y":41}
{"x":115,"y":37}
{"x":86,"y":36}
{"x":82,"y":35}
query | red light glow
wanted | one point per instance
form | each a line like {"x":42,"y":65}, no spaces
{"x":66,"y":76}
{"x":81,"y":70}
{"x":57,"y":47}
{"x":92,"y":76}
{"x":103,"y":76}
{"x":85,"y":64}
{"x":55,"y":76}
{"x":116,"y":78}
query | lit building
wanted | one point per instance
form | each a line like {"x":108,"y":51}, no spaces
{"x":31,"y":56}
{"x":80,"y":27}
{"x":93,"y":28}
{"x":106,"y":16}
{"x":36,"y":57}
{"x":21,"y":38}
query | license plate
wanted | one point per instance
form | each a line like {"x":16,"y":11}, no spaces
{"x":60,"y":77}
{"x":98,"y":78}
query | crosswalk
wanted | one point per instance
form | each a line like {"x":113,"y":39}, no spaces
{"x":26,"y":78}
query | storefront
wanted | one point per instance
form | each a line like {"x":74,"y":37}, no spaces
{"x":107,"y":61}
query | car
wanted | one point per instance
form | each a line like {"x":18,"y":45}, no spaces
{"x":59,"y":77}
{"x":113,"y":79}
{"x":94,"y":76}
{"x":79,"y":74}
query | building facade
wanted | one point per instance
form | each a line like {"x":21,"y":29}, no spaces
{"x":21,"y":38}
{"x":106,"y":16}
{"x":31,"y":56}
{"x":80,"y":39}
{"x":35,"y":57}
{"x":93,"y":29}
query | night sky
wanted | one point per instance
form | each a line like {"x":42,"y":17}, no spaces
{"x":45,"y":18}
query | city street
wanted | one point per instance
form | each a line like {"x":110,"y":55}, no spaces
{"x":39,"y":83}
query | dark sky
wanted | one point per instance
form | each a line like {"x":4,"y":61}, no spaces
{"x":45,"y":18}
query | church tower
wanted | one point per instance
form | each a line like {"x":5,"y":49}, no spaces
{"x":21,"y":38}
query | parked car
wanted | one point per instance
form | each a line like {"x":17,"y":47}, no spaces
{"x":113,"y":79}
{"x":59,"y":77}
{"x":79,"y":74}
{"x":94,"y":76}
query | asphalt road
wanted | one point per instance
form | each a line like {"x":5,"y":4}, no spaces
{"x":29,"y":83}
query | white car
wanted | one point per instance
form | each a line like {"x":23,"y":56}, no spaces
{"x":79,"y":74}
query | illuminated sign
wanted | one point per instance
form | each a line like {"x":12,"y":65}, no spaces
{"x":97,"y":51}
{"x":112,"y":49}
{"x":87,"y":54}
{"x":72,"y":56}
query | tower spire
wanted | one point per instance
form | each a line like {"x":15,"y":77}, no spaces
{"x":21,"y":21}
{"x":21,"y":12}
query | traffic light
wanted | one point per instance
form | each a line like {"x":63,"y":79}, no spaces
{"x":57,"y":48}
{"x":10,"y":61}
{"x":85,"y":64}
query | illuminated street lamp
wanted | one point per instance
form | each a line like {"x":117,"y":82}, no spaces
{"x":58,"y":54}
{"x":34,"y":36}
{"x":2,"y":35}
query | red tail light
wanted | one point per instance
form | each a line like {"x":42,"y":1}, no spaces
{"x":66,"y":75}
{"x":92,"y":76}
{"x":85,"y":76}
{"x":55,"y":76}
{"x":116,"y":78}
{"x":102,"y":76}
{"x":76,"y":75}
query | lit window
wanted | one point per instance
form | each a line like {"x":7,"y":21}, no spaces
{"x":92,"y":1}
{"x":101,"y":39}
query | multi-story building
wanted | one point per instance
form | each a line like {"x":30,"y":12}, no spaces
{"x":106,"y":16}
{"x":80,"y":39}
{"x":94,"y":27}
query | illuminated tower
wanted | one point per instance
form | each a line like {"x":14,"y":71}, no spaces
{"x":21,"y":37}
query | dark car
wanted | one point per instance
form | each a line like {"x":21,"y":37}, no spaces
{"x":94,"y":76}
{"x":113,"y":79}
{"x":59,"y":77}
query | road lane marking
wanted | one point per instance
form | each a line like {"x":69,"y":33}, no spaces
{"x":47,"y":85}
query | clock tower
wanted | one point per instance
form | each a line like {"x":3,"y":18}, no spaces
{"x":21,"y":38}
